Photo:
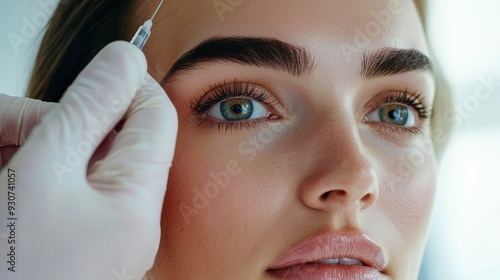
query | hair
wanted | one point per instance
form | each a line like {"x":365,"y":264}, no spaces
{"x":78,"y":30}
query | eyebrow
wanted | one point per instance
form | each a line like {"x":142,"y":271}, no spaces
{"x":391,"y":61}
{"x":254,"y":51}
{"x":278,"y":55}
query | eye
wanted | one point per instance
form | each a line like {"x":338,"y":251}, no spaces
{"x":400,"y":112}
{"x":394,"y":114}
{"x":238,"y":109}
{"x":235,"y":105}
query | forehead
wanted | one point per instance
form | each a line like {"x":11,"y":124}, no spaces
{"x":329,"y":29}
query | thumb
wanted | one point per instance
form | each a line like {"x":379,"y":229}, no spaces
{"x":92,"y":105}
{"x":144,"y":148}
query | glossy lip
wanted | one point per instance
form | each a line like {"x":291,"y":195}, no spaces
{"x":331,"y":245}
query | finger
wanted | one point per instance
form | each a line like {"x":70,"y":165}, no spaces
{"x":103,"y":149}
{"x":18,"y":117}
{"x":94,"y":103}
{"x":143,"y":150}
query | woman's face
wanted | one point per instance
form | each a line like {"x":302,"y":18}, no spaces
{"x":313,"y":120}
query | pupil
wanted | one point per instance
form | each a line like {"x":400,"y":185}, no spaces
{"x":237,"y":109}
{"x":394,"y":114}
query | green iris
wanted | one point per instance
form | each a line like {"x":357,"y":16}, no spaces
{"x":236,"y":109}
{"x":394,"y":114}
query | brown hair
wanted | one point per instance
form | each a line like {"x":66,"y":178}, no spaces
{"x":77,"y":31}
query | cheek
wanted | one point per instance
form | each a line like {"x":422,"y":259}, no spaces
{"x":406,"y":199}
{"x":217,"y":209}
{"x":409,"y":195}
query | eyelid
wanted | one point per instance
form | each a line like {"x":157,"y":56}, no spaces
{"x":376,"y":115}
{"x":413,"y":100}
{"x":222,"y":91}
{"x":257,"y":108}
{"x":419,"y":106}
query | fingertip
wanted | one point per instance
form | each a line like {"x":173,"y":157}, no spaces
{"x":127,"y":47}
{"x":99,"y":96}
{"x":126,"y":52}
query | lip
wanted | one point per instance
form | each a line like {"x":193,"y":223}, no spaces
{"x":295,"y":264}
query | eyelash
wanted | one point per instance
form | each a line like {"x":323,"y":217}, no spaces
{"x":224,"y":91}
{"x":415,"y":100}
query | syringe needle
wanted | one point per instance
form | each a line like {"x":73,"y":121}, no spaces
{"x":157,"y":10}
{"x":142,"y":35}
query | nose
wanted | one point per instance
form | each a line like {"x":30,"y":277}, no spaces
{"x":341,"y":179}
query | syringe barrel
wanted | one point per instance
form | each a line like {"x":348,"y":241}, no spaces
{"x":141,"y":37}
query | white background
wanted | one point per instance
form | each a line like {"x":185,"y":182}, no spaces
{"x":16,"y":59}
{"x":465,"y":236}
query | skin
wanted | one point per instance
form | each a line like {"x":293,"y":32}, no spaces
{"x":320,"y":144}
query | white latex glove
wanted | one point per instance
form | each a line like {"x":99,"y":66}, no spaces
{"x":81,"y":220}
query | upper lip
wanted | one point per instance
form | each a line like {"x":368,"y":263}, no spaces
{"x":331,"y":245}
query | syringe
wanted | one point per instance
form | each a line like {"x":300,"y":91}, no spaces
{"x":142,"y":35}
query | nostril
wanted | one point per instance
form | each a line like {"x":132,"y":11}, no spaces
{"x":366,"y":198}
{"x":337,"y":193}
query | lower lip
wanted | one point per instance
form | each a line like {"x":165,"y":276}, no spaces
{"x":327,"y":271}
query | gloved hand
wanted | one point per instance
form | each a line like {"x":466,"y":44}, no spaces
{"x":63,"y":216}
{"x":18,"y":116}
